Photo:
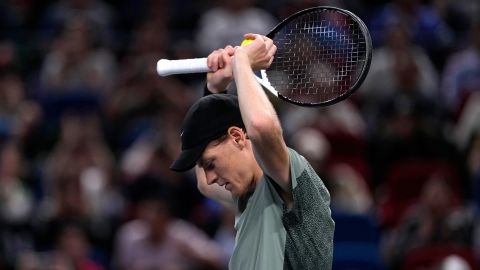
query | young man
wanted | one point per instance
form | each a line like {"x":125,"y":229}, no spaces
{"x":242,"y":160}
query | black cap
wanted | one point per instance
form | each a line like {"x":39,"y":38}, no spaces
{"x":208,"y":119}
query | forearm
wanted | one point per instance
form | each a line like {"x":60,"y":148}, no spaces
{"x":256,"y":109}
{"x":214,"y":192}
{"x":261,"y":122}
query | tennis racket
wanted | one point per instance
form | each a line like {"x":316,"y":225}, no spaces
{"x":323,"y":55}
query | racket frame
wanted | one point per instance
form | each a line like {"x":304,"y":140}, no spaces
{"x":368,"y":57}
{"x":199,"y":65}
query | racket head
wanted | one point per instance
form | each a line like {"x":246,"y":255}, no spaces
{"x":323,"y":55}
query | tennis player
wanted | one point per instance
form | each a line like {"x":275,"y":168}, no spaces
{"x":240,"y":157}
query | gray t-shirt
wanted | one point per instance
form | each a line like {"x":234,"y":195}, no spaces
{"x":269,"y":236}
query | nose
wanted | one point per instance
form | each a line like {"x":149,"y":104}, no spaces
{"x":211,"y":177}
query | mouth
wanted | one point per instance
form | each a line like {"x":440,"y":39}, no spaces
{"x":225,"y":184}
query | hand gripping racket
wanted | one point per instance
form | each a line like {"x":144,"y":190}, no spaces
{"x":323,"y":55}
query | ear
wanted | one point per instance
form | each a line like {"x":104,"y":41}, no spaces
{"x":237,"y":135}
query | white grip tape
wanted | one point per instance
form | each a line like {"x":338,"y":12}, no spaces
{"x":167,"y":67}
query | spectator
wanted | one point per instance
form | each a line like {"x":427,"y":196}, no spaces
{"x":19,"y":117}
{"x":227,"y":23}
{"x":157,"y":240}
{"x":438,"y":218}
{"x":428,"y":29}
{"x":81,"y":147}
{"x":79,"y":183}
{"x":73,"y":243}
{"x":143,"y":99}
{"x":397,"y":67}
{"x":350,"y":194}
{"x":8,"y":59}
{"x":16,"y":204}
{"x":72,"y":250}
{"x":399,"y":99}
{"x":461,"y":75}
{"x":59,"y":12}
{"x":75,"y":64}
{"x":15,"y":195}
{"x":314,"y":146}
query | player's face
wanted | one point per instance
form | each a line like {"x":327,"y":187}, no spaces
{"x":227,"y":165}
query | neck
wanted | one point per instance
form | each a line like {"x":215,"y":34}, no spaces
{"x":257,"y":175}
{"x":243,"y":200}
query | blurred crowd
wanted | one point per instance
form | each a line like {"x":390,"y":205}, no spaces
{"x":88,"y":131}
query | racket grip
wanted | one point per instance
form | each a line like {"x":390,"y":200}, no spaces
{"x":167,"y":67}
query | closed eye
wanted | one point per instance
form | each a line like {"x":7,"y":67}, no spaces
{"x":207,"y":164}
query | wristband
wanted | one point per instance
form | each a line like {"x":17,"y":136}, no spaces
{"x":207,"y":92}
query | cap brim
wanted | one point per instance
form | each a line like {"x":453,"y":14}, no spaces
{"x":187,"y":159}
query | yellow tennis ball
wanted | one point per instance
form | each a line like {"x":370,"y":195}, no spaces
{"x":246,"y":41}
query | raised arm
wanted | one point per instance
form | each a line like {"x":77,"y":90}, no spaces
{"x":220,"y":61}
{"x":260,"y":118}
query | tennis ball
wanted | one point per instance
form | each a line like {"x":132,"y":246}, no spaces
{"x":246,"y":41}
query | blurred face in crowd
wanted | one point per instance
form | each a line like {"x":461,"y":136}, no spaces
{"x":436,"y":197}
{"x":156,"y":214}
{"x":10,"y":161}
{"x":75,"y":38}
{"x":397,"y":37}
{"x":74,"y":243}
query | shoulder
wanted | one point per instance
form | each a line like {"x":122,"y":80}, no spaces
{"x":303,"y":175}
{"x":298,"y":163}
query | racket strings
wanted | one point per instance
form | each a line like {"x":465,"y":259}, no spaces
{"x":320,"y":56}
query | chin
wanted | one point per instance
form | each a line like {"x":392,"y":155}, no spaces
{"x":238,"y":193}
{"x":234,"y":194}
{"x":245,"y":192}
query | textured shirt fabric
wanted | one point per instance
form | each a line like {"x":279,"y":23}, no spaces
{"x":270,"y":236}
